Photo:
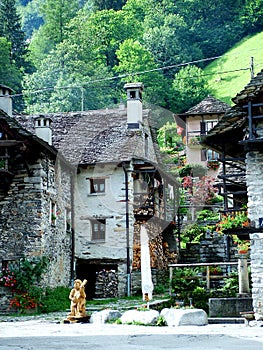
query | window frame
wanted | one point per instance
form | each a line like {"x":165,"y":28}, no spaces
{"x":100,"y":234}
{"x":97,"y":181}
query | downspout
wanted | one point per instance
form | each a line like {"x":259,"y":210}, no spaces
{"x":127,"y":230}
{"x":72,"y":198}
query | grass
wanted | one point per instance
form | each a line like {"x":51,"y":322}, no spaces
{"x":236,"y":61}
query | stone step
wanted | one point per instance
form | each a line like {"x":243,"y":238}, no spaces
{"x":227,"y":320}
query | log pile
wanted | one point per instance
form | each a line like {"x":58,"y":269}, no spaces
{"x":106,"y":284}
{"x":160,"y":255}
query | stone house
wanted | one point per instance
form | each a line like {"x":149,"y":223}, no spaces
{"x":238,"y":138}
{"x":35,"y":199}
{"x":119,"y":184}
{"x":196,"y":122}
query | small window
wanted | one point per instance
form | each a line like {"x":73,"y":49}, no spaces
{"x":98,"y":228}
{"x":53,"y":213}
{"x":146,"y":146}
{"x":97,"y":185}
{"x":68,"y":220}
{"x":212,"y":155}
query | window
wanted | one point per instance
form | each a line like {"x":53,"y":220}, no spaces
{"x":146,"y":146}
{"x":53,"y":213}
{"x":205,"y":126}
{"x":98,"y":228}
{"x":68,"y":220}
{"x":212,"y":155}
{"x":97,"y":185}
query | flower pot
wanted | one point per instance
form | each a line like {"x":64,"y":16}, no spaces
{"x":242,"y":251}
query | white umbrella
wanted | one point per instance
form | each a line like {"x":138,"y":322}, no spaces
{"x":146,"y":274}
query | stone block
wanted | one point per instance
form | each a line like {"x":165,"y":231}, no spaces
{"x":147,"y":317}
{"x":184,"y":317}
{"x":104,"y":316}
{"x":229,"y":307}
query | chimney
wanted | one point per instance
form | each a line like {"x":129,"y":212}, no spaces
{"x":134,"y":104}
{"x":6,"y":99}
{"x":43,"y":129}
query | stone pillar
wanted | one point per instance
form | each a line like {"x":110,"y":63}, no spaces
{"x":257,"y":273}
{"x":243,"y":280}
{"x":254,"y":180}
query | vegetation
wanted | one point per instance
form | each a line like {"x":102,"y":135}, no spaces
{"x":64,"y":55}
{"x":230,"y":73}
{"x":189,"y":288}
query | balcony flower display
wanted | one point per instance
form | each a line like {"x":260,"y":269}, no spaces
{"x":212,"y":164}
{"x":237,"y":220}
{"x":194,"y":141}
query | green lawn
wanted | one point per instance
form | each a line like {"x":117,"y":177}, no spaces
{"x":236,"y":61}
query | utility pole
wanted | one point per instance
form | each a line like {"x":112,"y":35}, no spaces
{"x":252,"y":67}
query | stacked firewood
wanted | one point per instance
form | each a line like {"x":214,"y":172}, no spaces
{"x":106,"y":284}
{"x":160,"y":255}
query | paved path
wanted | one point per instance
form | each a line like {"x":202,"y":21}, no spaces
{"x":49,"y":334}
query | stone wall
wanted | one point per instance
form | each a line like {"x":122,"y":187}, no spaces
{"x":254,"y":177}
{"x":26,"y":228}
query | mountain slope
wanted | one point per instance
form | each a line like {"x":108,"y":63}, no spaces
{"x":228,"y":74}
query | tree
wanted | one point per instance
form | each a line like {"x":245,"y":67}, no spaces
{"x":67,"y":80}
{"x":189,"y":88}
{"x":9,"y":73}
{"x":137,"y":63}
{"x":108,"y":4}
{"x":56,"y":16}
{"x":251,"y":16}
{"x":31,"y":16}
{"x":10,"y":28}
{"x":213,"y":25}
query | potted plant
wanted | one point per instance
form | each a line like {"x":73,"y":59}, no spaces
{"x":212,"y":164}
{"x":233,"y":222}
{"x":242,"y":245}
{"x":194,"y":141}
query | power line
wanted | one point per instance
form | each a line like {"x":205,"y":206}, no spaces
{"x":117,"y":76}
{"x":81,"y":86}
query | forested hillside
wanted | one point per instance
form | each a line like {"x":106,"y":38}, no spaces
{"x":65,"y":55}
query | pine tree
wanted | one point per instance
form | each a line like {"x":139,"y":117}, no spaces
{"x":10,"y":28}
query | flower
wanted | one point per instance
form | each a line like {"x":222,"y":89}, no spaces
{"x":235,"y":220}
{"x":7,"y":278}
{"x":212,"y":164}
{"x":194,"y":140}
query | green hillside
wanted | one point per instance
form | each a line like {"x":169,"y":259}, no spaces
{"x":230,"y":73}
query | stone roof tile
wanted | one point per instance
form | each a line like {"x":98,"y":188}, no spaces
{"x":209,"y":105}
{"x":93,"y":136}
{"x":252,"y":89}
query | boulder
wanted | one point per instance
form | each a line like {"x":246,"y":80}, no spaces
{"x":147,"y":317}
{"x":184,"y":317}
{"x":104,"y":316}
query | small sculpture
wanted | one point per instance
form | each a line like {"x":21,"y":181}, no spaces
{"x":78,"y":300}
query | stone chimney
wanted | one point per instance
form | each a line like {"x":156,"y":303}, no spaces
{"x":6,"y":99}
{"x":134,"y":104}
{"x":43,"y":129}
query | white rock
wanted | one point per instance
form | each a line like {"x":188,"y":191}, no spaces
{"x":104,"y":316}
{"x":184,"y":317}
{"x":147,"y":317}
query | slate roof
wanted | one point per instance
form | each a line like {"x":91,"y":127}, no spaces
{"x":20,"y":133}
{"x":94,"y":136}
{"x":232,"y":126}
{"x":209,"y":105}
{"x":251,"y":90}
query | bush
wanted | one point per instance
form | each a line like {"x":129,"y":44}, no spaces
{"x":194,"y":170}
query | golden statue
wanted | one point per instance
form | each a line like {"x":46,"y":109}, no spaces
{"x":78,"y":300}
